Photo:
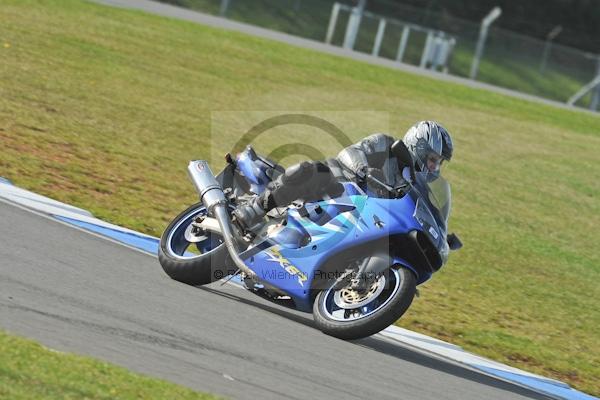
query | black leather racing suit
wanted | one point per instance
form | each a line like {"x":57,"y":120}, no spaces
{"x":313,"y":180}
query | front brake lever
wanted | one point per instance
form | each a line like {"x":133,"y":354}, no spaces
{"x":397,"y":192}
{"x":372,"y":179}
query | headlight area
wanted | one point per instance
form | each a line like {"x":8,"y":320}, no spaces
{"x":427,"y":221}
{"x":431,"y":228}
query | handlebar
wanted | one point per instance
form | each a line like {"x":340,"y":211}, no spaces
{"x":397,"y":192}
{"x":371,"y":179}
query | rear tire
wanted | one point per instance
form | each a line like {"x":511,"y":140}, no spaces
{"x":356,"y":323}
{"x":192,"y":268}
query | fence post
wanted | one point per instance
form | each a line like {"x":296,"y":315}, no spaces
{"x":224,"y":7}
{"x":403,"y":41}
{"x":483,"y":31}
{"x":354,"y":24}
{"x":379,"y":37}
{"x":593,"y":84}
{"x":426,"y":49}
{"x":548,"y":45}
{"x":351,"y":29}
{"x":332,"y":22}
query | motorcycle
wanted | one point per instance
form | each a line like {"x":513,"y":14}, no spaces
{"x":354,"y":261}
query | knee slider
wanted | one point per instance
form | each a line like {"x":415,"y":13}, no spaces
{"x":298,"y":173}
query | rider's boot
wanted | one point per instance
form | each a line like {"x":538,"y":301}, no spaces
{"x":251,"y":213}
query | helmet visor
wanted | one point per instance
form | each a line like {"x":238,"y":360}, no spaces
{"x":433,"y":162}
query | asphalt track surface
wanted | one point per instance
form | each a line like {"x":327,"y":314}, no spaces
{"x":77,"y":292}
{"x":171,"y":11}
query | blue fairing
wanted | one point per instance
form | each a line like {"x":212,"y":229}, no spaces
{"x":290,"y":258}
{"x":332,"y":227}
{"x":253,"y":171}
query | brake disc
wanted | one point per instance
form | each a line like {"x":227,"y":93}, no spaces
{"x":348,"y":298}
{"x":194,"y":234}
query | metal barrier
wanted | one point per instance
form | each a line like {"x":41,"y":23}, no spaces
{"x":436,"y":52}
{"x":396,"y":31}
{"x":593,"y":87}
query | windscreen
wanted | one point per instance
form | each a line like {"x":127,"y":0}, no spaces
{"x":435,"y":190}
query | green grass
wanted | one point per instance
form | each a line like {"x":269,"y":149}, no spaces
{"x":103,"y":108}
{"x":31,"y":371}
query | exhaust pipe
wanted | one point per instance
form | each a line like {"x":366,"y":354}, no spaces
{"x":206,"y":184}
{"x":211,"y":194}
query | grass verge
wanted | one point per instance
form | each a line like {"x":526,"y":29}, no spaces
{"x":103,"y":108}
{"x":31,"y":371}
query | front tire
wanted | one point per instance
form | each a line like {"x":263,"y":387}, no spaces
{"x":197,"y":262}
{"x":339,"y":312}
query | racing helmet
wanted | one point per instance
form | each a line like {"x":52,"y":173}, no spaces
{"x":429,"y":144}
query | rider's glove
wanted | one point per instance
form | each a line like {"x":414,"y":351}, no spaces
{"x":361,"y":173}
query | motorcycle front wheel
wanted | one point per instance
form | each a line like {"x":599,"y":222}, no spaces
{"x":345,"y":313}
{"x":194,"y":258}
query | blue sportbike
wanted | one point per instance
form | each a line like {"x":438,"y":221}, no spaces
{"x":354,"y":261}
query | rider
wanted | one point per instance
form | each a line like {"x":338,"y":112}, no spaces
{"x":428,"y":142}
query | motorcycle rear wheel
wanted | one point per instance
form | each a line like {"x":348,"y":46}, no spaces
{"x":339,"y":312}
